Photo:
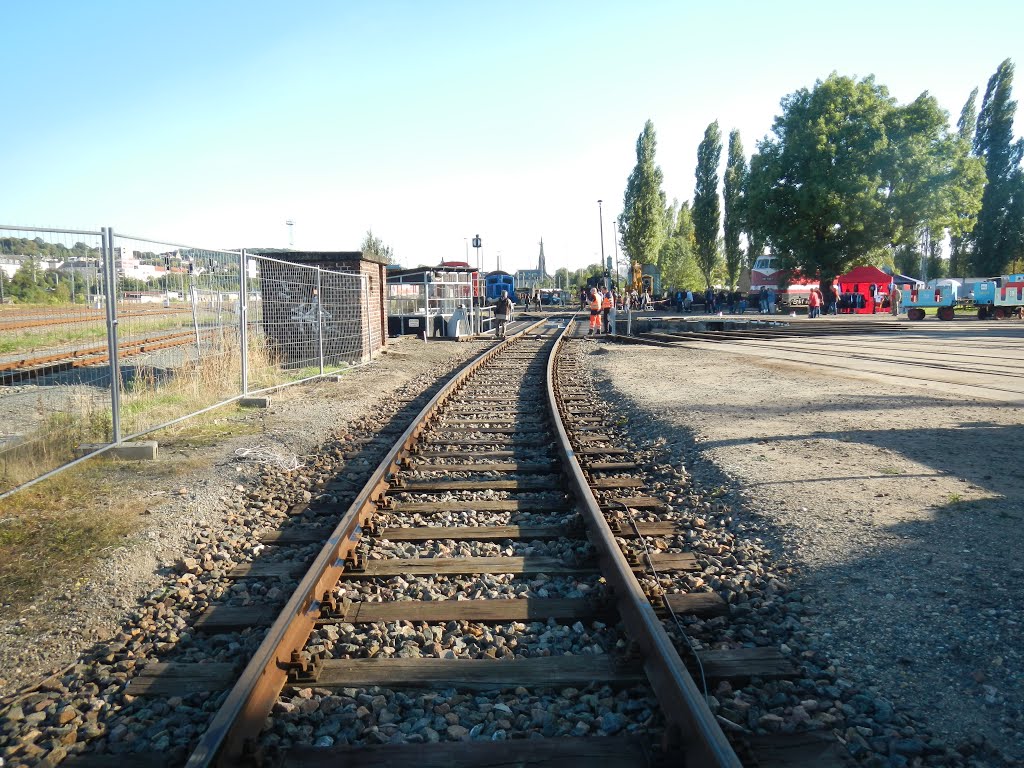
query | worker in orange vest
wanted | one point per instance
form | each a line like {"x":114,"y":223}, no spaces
{"x":606,"y":307}
{"x":594,"y":303}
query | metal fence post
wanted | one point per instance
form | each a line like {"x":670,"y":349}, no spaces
{"x":319,"y":319}
{"x":243,"y":317}
{"x":110,"y":288}
{"x":195,"y":316}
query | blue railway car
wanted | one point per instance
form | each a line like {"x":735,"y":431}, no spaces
{"x":1000,"y":297}
{"x":499,"y":281}
{"x":942,"y":296}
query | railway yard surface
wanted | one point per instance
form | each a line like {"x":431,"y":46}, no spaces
{"x":841,"y":512}
{"x":889,"y":471}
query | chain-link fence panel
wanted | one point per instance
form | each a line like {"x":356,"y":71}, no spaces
{"x":105,"y":337}
{"x":178,"y":329}
{"x":303,"y":321}
{"x":55,"y":376}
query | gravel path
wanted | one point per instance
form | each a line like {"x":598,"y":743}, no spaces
{"x":899,"y":509}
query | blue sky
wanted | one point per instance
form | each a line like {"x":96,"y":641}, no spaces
{"x":212,"y":123}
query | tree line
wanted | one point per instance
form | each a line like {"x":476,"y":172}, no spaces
{"x":847,"y":176}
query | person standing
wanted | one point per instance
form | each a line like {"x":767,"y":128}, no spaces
{"x":771,"y":301}
{"x":814,"y":304}
{"x":502,"y":314}
{"x":606,"y":307}
{"x":895,"y":299}
{"x":833,"y":301}
{"x":689,"y":299}
{"x":594,"y":303}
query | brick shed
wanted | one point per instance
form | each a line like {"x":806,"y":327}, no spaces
{"x":354,"y":319}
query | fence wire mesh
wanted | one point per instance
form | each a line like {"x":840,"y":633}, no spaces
{"x":54,"y":380}
{"x":189,"y":327}
{"x":304,"y":321}
{"x":178,"y":334}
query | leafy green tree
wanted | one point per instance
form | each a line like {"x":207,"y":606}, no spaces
{"x":706,"y":209}
{"x":678,"y":260}
{"x":561,"y":277}
{"x":373,"y":248}
{"x":734,"y":185}
{"x":993,"y":141}
{"x":642,"y":225}
{"x":849,"y":173}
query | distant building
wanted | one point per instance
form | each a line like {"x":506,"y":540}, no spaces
{"x":532,"y":279}
{"x":9,"y":265}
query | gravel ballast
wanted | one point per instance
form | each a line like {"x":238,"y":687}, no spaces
{"x":896,"y":517}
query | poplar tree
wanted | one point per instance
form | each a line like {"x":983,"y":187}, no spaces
{"x":996,"y":230}
{"x":733,"y":187}
{"x":706,"y":209}
{"x":959,"y":244}
{"x":642,"y":223}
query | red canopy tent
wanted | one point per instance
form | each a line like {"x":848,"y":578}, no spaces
{"x":859,"y":281}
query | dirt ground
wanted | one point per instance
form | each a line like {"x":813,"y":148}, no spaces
{"x":902,"y":508}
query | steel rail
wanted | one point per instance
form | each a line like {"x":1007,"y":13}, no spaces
{"x":701,"y":739}
{"x":82,"y":357}
{"x":241,"y":717}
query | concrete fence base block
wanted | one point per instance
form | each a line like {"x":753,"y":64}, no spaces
{"x":333,"y":379}
{"x":254,"y":402}
{"x":144,"y":450}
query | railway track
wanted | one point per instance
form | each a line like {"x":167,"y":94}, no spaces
{"x":505,"y":588}
{"x":23,"y":369}
{"x":469,"y":531}
{"x":12,"y":322}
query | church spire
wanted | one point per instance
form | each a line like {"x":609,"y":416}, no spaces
{"x":542,"y":267}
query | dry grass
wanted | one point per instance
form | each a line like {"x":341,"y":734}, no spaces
{"x":150,"y":399}
{"x":211,"y":428}
{"x":54,"y":443}
{"x":52,"y":532}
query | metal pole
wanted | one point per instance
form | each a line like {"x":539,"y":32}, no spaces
{"x":600,"y":220}
{"x":616,"y":241}
{"x":319,"y":321}
{"x":426,"y":305}
{"x":195,"y":316}
{"x":243,"y":317}
{"x":110,"y":287}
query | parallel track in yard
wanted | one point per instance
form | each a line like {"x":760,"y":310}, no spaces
{"x":29,"y":368}
{"x":982,"y":360}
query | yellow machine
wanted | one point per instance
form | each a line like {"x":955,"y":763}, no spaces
{"x":645,"y":278}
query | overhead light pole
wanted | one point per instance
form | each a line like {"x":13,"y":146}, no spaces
{"x":600,"y":220}
{"x":616,"y":241}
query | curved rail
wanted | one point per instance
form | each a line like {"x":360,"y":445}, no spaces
{"x":700,"y":737}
